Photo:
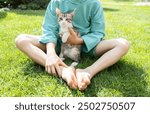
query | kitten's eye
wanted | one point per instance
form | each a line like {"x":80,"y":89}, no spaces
{"x":60,"y":19}
{"x":68,"y":20}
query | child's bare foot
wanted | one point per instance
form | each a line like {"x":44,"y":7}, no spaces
{"x":68,"y":74}
{"x":83,"y":78}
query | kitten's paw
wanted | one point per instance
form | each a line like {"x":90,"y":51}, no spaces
{"x":64,"y":40}
{"x":65,"y":37}
{"x":61,"y":34}
{"x":74,"y":64}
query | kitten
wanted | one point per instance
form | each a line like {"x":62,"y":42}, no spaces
{"x":68,"y":50}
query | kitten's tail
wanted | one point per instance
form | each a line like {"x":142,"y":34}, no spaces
{"x":74,"y":64}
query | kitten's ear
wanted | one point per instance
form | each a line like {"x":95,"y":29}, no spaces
{"x":58,"y":12}
{"x":72,"y":13}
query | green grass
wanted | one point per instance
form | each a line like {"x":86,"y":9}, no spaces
{"x":19,"y":76}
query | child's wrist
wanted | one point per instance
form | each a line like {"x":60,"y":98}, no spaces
{"x":50,"y":49}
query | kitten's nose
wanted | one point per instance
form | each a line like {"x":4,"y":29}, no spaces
{"x":63,"y":23}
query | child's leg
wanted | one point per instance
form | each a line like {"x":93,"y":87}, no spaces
{"x":112,"y":51}
{"x":29,"y":44}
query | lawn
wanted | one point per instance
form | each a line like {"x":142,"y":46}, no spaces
{"x":20,"y":76}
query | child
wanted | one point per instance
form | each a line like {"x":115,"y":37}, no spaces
{"x":89,"y":21}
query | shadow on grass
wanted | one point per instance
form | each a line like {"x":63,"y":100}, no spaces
{"x":3,"y":14}
{"x":32,"y":68}
{"x":110,"y":9}
{"x":122,"y":79}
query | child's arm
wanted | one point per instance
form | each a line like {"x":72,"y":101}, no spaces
{"x":50,"y":25}
{"x":50,"y":47}
{"x":49,"y":37}
{"x":53,"y":62}
{"x":97,"y":28}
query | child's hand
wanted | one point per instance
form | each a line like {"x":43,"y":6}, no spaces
{"x":73,"y":38}
{"x":53,"y":64}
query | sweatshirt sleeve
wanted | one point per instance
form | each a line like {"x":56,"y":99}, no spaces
{"x":97,"y":31}
{"x":50,"y":25}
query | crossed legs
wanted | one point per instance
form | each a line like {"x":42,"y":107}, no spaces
{"x":111,"y":51}
{"x":30,"y":46}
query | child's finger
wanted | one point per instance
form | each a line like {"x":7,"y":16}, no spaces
{"x":53,"y":71}
{"x":63,"y":64}
{"x":49,"y":70}
{"x":58,"y":70}
{"x":71,"y":31}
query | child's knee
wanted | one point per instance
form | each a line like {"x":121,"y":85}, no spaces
{"x":123,"y":44}
{"x":20,"y":40}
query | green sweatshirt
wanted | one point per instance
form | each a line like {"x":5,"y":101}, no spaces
{"x":88,"y":19}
